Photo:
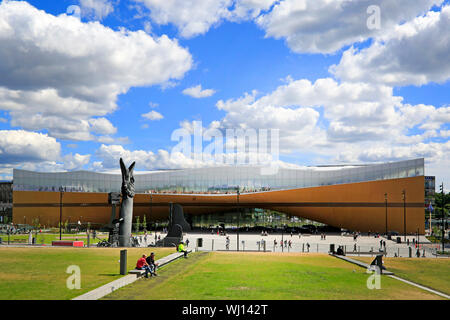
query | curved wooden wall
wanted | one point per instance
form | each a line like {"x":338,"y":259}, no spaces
{"x":355,"y":206}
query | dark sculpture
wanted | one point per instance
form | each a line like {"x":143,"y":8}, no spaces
{"x":177,"y":225}
{"x":378,"y":262}
{"x":126,"y":209}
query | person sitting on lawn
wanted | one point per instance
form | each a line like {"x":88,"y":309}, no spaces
{"x":151,"y":262}
{"x":181,"y":249}
{"x":143,"y":265}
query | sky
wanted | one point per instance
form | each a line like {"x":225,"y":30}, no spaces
{"x":85,"y":82}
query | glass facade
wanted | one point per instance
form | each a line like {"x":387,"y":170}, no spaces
{"x":216,"y":179}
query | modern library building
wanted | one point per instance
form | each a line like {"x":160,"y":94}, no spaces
{"x":373,"y":197}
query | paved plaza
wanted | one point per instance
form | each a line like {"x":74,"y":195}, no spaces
{"x":254,"y":242}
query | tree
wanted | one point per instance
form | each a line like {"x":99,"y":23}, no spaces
{"x":137,"y":224}
{"x":144,"y":222}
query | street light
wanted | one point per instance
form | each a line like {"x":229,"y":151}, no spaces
{"x":385,"y":202}
{"x":239,"y":213}
{"x":404,"y":213}
{"x":61,"y":191}
{"x":441,"y":187}
{"x":151,"y":211}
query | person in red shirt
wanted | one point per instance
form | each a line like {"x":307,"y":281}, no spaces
{"x":143,"y":265}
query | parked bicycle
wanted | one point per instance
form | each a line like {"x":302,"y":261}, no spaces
{"x":103,"y":243}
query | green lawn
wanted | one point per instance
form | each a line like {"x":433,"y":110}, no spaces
{"x":40,"y":273}
{"x":259,"y":276}
{"x":430,"y":272}
{"x":47,"y":238}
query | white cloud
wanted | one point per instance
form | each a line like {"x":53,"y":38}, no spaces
{"x":22,"y":146}
{"x":350,"y":122}
{"x":162,"y":159}
{"x":75,"y":162}
{"x":191,"y":17}
{"x":153,"y":115}
{"x":249,"y":9}
{"x":416,"y":53}
{"x":59,"y":74}
{"x":102,"y":126}
{"x":323,"y":26}
{"x":35,"y":151}
{"x":97,"y":9}
{"x":197,"y":92}
{"x":354,"y":111}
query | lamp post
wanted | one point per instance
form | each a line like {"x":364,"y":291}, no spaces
{"x":151,"y":210}
{"x":443,"y":215}
{"x":404,"y":213}
{"x":239,"y":213}
{"x":61,"y":191}
{"x":385,"y":204}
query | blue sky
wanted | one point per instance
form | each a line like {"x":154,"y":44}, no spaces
{"x":337,"y":90}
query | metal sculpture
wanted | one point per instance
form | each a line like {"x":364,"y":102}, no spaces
{"x":177,"y":225}
{"x":126,"y":209}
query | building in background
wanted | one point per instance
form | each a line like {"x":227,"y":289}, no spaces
{"x":6,"y":201}
{"x":350,"y":197}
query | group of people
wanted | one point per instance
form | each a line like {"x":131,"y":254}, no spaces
{"x":382,"y":244}
{"x":148,"y":264}
{"x":287,"y":244}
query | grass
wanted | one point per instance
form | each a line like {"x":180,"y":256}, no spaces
{"x":430,"y":272}
{"x":40,"y":273}
{"x":269,"y":276}
{"x":47,"y":238}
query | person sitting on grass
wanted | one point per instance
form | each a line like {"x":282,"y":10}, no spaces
{"x":181,"y":249}
{"x":151,"y":262}
{"x":143,"y":265}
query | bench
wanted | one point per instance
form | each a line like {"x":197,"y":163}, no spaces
{"x":137,"y":272}
{"x":64,"y":243}
{"x":161,"y":262}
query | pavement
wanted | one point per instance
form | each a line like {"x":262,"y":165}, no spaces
{"x":249,"y":242}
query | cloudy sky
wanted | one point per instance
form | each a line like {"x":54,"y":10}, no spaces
{"x":85,"y":82}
